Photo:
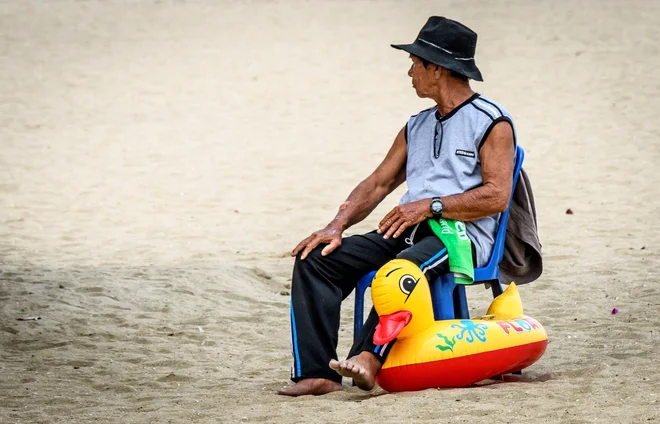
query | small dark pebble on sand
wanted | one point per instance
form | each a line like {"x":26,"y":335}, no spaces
{"x":569,"y":211}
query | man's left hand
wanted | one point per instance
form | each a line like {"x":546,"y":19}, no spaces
{"x":404,"y":216}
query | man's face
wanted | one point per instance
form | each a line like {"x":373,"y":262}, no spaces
{"x":423,"y":78}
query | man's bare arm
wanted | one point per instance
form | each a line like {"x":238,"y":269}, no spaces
{"x":497,"y":174}
{"x":390,"y":174}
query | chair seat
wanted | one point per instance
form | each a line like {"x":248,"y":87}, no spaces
{"x":486,"y":274}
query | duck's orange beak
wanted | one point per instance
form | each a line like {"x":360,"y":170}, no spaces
{"x":389,"y":326}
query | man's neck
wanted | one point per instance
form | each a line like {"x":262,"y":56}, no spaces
{"x":450,"y":97}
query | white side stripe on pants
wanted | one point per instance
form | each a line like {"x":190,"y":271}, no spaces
{"x":436,"y":263}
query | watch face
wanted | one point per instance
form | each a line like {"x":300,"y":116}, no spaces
{"x":436,"y":206}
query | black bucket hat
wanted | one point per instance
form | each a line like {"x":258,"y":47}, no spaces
{"x":447,"y":43}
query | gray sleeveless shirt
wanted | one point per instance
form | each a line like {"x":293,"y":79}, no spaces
{"x":443,"y":159}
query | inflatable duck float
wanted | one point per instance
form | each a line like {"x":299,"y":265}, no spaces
{"x":447,"y":353}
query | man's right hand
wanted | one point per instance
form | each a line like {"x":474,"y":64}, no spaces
{"x":331,"y":235}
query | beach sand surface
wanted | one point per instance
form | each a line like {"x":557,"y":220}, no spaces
{"x":160,"y":159}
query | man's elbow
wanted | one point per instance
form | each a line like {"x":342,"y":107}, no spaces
{"x":501,"y":207}
{"x":501,"y":201}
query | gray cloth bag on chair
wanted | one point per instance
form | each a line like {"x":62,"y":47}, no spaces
{"x":522,"y":261}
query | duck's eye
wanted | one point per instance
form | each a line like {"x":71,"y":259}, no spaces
{"x":407,"y":284}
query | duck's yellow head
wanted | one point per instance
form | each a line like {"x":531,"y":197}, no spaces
{"x":402,"y":299}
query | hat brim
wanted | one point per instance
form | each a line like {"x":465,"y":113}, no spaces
{"x":464,"y":67}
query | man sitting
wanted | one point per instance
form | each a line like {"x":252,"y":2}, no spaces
{"x":457,"y":160}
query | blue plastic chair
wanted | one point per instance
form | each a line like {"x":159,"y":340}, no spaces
{"x":449,"y":299}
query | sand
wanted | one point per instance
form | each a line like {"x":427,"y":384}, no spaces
{"x":160,"y":159}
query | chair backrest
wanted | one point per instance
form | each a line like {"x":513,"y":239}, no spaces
{"x":491,"y":271}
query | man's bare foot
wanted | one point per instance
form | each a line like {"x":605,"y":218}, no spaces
{"x":311,"y":386}
{"x":361,"y":368}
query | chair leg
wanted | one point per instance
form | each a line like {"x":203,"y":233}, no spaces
{"x":496,"y":287}
{"x":358,"y":313}
{"x":460,"y":303}
{"x":442,"y":291}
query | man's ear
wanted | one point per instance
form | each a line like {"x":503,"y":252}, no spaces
{"x":437,"y":73}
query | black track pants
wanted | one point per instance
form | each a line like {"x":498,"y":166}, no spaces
{"x":320,"y":284}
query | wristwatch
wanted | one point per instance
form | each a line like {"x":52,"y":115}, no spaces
{"x":437,"y":206}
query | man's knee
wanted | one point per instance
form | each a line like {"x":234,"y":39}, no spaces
{"x":307,"y":270}
{"x":431,"y":269}
{"x":409,"y":256}
{"x":313,"y":258}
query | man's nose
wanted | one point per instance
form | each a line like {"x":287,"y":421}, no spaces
{"x":410,"y":71}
